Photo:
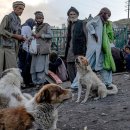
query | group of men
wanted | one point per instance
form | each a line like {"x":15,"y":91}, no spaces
{"x":83,"y":38}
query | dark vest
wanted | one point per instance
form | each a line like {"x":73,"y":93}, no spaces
{"x":78,"y":41}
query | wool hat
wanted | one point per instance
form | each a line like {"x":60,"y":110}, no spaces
{"x":39,"y":13}
{"x":73,"y":9}
{"x":105,"y":10}
{"x":18,"y":3}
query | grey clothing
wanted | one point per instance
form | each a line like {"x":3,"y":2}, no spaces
{"x":95,"y":26}
{"x":40,"y":62}
{"x":10,"y":25}
{"x":71,"y":56}
{"x":7,"y":59}
{"x":39,"y":68}
{"x":71,"y":70}
{"x":44,"y":42}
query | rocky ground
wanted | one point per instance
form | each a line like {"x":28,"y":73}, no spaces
{"x":110,"y":113}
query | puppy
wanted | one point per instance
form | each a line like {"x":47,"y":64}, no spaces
{"x":39,"y":113}
{"x":15,"y":119}
{"x":43,"y":106}
{"x":88,"y":78}
{"x":10,"y":93}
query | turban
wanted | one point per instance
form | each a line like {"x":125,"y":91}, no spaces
{"x":105,"y":10}
{"x":74,"y":10}
{"x":39,"y":13}
{"x":18,"y":3}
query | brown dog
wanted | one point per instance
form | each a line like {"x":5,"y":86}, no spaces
{"x":88,"y":78}
{"x":39,"y":112}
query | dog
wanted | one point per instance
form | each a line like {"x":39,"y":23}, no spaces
{"x":88,"y":78}
{"x":38,"y":113}
{"x":10,"y":92}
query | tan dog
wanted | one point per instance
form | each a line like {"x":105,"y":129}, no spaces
{"x":10,"y":92}
{"x":39,"y":113}
{"x":88,"y":78}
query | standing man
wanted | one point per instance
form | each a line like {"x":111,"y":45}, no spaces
{"x":76,"y":41}
{"x":10,"y":30}
{"x":97,"y":47}
{"x":98,"y":53}
{"x":40,"y":61}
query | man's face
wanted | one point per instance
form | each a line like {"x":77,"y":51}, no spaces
{"x":127,"y":50}
{"x":72,"y":16}
{"x":19,"y":10}
{"x":106,"y":16}
{"x":39,"y":19}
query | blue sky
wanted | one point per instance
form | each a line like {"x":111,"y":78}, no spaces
{"x":55,"y":10}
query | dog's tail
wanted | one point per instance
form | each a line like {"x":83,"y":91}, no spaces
{"x":114,"y":90}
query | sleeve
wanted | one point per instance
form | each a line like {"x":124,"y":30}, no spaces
{"x":48,"y":34}
{"x":26,"y":32}
{"x":3,"y":26}
{"x":92,"y":24}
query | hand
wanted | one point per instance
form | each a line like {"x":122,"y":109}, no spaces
{"x":95,"y":37}
{"x":19,"y":37}
{"x":37,"y":35}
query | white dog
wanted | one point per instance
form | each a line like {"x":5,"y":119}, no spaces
{"x":10,"y":93}
{"x":88,"y":78}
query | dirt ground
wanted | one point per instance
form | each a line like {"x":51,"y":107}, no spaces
{"x":110,"y":113}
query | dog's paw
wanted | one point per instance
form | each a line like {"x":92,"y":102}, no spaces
{"x":84,"y":101}
{"x":96,"y":98}
{"x":77,"y":101}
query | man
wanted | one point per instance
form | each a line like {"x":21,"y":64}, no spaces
{"x":40,"y":61}
{"x":10,"y":30}
{"x":95,"y":45}
{"x":76,"y":41}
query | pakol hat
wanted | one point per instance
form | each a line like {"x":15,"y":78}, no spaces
{"x":73,"y":9}
{"x":18,"y":3}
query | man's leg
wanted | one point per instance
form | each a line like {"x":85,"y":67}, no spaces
{"x":1,"y":60}
{"x":71,"y":71}
{"x":106,"y":76}
{"x":10,"y":59}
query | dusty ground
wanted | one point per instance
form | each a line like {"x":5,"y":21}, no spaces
{"x":110,"y":113}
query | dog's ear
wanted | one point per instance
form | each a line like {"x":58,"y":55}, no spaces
{"x":43,"y":96}
{"x":86,"y":62}
{"x":5,"y":72}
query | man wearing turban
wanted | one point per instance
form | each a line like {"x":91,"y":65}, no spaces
{"x":76,"y":41}
{"x":95,"y":42}
{"x":10,"y":30}
{"x":40,"y":61}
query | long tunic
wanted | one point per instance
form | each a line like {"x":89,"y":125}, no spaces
{"x":40,"y":62}
{"x":95,"y":26}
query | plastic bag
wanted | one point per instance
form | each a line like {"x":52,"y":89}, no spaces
{"x":33,"y":46}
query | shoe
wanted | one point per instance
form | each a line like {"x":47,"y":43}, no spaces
{"x":110,"y":87}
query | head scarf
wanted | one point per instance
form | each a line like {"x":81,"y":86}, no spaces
{"x":30,"y":22}
{"x":74,"y":10}
{"x":105,"y":10}
{"x":39,"y":13}
{"x":53,"y":56}
{"x":16,"y":3}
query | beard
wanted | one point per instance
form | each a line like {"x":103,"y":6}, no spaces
{"x":73,"y":19}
